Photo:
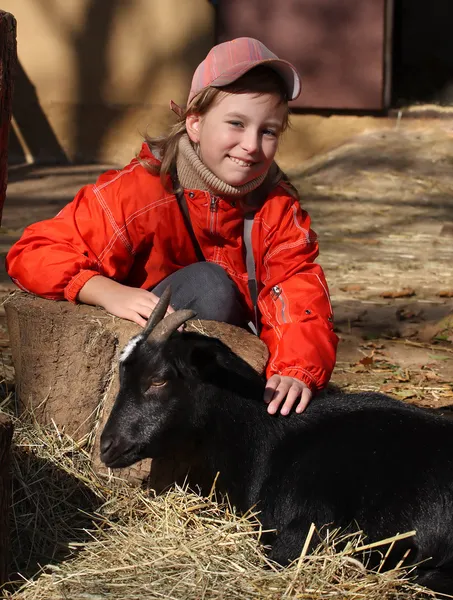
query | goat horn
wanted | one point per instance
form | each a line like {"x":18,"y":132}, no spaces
{"x":167,"y":326}
{"x":159,"y":311}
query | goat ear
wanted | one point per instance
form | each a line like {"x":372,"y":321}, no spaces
{"x":159,"y":311}
{"x":203,"y":356}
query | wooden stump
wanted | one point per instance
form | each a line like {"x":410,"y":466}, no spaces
{"x":65,"y":358}
{"x":8,"y":61}
{"x":6,"y":434}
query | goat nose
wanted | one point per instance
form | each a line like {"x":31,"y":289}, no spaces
{"x":105,"y":444}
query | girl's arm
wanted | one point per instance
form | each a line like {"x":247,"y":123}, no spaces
{"x":297,"y":319}
{"x":83,"y":253}
{"x":57,"y":257}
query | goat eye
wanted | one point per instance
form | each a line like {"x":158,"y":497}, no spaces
{"x":150,"y":387}
{"x":154,"y":384}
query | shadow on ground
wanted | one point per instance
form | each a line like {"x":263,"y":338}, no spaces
{"x":52,"y":509}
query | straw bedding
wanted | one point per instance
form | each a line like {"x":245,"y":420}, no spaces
{"x":77,"y":536}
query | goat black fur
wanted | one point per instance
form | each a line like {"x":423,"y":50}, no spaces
{"x":363,"y":461}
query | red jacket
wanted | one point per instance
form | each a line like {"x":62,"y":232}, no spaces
{"x":129,"y":228}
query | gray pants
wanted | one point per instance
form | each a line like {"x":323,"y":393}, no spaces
{"x":205,"y":288}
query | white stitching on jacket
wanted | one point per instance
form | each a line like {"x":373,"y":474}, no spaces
{"x":296,"y":223}
{"x":132,"y":217}
{"x":105,"y":207}
{"x":325,"y":291}
{"x":320,"y":281}
{"x":277,"y":251}
{"x":120,"y":174}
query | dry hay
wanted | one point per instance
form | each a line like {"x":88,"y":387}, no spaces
{"x":78,"y":536}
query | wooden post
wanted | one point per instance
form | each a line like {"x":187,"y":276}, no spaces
{"x":6,"y":434}
{"x":8,"y":61}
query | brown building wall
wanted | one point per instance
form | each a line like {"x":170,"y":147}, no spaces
{"x":94,"y":75}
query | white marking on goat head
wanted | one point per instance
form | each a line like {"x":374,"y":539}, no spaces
{"x":129,"y":347}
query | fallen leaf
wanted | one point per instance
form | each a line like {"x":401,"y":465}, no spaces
{"x":404,"y":293}
{"x":403,"y":378}
{"x":373,"y":345}
{"x":445,"y":294}
{"x":366,"y":361}
{"x":405,"y":394}
{"x":431,"y":376}
{"x":388,"y":387}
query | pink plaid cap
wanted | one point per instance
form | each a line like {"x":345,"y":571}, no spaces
{"x":227,"y":62}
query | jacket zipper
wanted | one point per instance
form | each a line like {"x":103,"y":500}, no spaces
{"x":213,"y":208}
{"x":277,"y":296}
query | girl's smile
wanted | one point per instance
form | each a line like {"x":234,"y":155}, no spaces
{"x":238,"y":136}
{"x":242,"y":163}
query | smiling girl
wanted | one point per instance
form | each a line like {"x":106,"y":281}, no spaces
{"x":176,"y":215}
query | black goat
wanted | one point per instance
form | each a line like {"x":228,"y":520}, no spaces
{"x":350,"y":460}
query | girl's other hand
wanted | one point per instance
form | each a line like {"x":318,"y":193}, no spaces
{"x":133,"y":304}
{"x":287,"y":390}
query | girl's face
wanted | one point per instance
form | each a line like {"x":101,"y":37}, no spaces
{"x":238,"y":135}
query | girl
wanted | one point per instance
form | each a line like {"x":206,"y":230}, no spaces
{"x":176,"y":215}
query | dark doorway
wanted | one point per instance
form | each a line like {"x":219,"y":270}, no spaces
{"x":422,"y":52}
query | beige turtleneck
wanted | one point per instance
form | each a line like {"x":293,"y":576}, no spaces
{"x":194,"y":174}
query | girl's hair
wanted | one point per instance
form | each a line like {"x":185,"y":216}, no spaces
{"x":259,"y":80}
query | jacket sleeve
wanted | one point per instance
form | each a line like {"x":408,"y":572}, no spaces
{"x":296,"y":314}
{"x":56,"y":257}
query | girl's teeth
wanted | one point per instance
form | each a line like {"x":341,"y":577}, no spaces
{"x":241,"y":163}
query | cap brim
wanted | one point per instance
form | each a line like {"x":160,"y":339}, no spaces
{"x":285,"y":69}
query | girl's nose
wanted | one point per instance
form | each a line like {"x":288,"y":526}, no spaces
{"x":250,"y":142}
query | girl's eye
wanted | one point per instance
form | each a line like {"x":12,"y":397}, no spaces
{"x":270,"y":132}
{"x":235,"y":123}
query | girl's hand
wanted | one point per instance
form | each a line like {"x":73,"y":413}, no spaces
{"x":290,"y":391}
{"x":133,"y":304}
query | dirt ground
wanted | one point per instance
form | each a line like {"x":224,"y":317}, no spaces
{"x":382,"y":206}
